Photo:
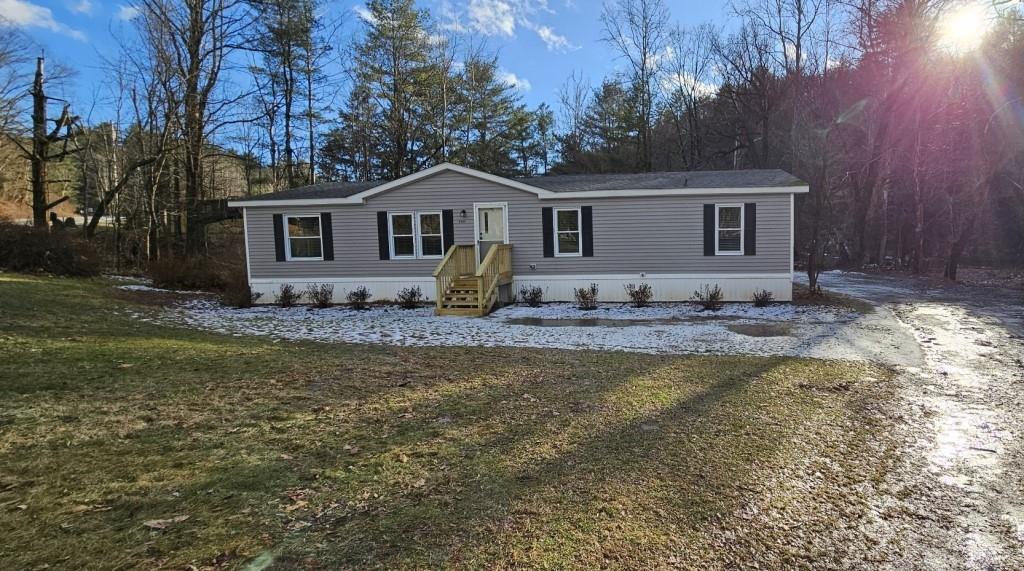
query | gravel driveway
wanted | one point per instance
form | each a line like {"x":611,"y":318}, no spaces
{"x":958,"y":502}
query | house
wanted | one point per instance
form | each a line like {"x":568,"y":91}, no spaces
{"x":468,"y":238}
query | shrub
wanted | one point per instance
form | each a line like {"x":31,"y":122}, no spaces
{"x":287,"y":296}
{"x":709,"y":298}
{"x":180,"y":272}
{"x":532,"y":295}
{"x":410,"y":297}
{"x":30,"y":249}
{"x":763,"y":298}
{"x":359,"y":298}
{"x":320,"y":295}
{"x":586,"y":297}
{"x":237,"y":293}
{"x":640,"y":295}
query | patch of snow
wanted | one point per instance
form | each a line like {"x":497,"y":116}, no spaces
{"x":139,"y":287}
{"x":131,"y":279}
{"x":689,"y":311}
{"x":687,"y":331}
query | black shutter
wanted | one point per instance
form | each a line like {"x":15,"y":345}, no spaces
{"x":448,"y":229}
{"x":587,"y":226}
{"x":327,"y":235}
{"x":709,"y":229}
{"x":382,"y":236}
{"x":279,"y":236}
{"x":749,"y":229}
{"x":549,"y":234}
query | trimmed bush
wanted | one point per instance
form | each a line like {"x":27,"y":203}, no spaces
{"x":532,"y":295}
{"x":763,"y":298}
{"x":198,"y":272}
{"x":641,"y":295}
{"x":30,"y":249}
{"x":320,"y":295}
{"x":586,"y":297}
{"x":287,"y":296}
{"x":709,"y":298}
{"x":410,"y":297}
{"x":359,"y":298}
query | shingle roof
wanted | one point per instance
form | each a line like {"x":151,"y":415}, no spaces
{"x":322,"y":190}
{"x":581,"y":182}
{"x":663,"y":180}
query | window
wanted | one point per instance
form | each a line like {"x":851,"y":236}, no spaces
{"x":431,"y":239}
{"x":303,"y":238}
{"x":416,"y":235}
{"x":728,"y":229}
{"x":567,"y":232}
{"x":403,"y":236}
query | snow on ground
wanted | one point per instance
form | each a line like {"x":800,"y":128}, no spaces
{"x":663,"y":328}
{"x":131,"y":279}
{"x":661,"y":311}
{"x":138,"y":287}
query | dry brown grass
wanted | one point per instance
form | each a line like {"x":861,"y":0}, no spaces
{"x":302,"y":455}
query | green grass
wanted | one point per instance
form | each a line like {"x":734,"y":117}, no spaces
{"x":305,"y":455}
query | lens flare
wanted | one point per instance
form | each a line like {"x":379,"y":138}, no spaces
{"x":963,"y":29}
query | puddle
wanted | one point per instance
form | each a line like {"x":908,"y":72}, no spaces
{"x":761,"y":329}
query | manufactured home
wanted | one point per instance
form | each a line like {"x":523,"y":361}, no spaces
{"x":469,"y":239}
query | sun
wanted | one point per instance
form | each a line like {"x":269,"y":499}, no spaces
{"x":962,"y":29}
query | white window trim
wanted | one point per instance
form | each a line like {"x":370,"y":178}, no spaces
{"x":579,"y":231}
{"x":391,"y":235}
{"x":417,"y":236}
{"x":718,"y":251}
{"x":288,"y":239}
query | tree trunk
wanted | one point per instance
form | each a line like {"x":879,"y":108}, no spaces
{"x":40,"y":146}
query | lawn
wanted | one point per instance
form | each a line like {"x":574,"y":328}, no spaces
{"x":125,"y":444}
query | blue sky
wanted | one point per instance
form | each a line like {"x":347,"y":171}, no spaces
{"x":539,"y":43}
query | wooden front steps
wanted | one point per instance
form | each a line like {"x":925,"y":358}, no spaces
{"x":465,"y":290}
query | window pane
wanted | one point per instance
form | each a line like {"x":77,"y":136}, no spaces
{"x":305,"y":247}
{"x":568,"y":243}
{"x":431,"y":246}
{"x":430,"y":224}
{"x":729,"y":217}
{"x":401,"y":224}
{"x":404,"y":246}
{"x":729,"y":240}
{"x":568,"y":220}
{"x":303,"y":226}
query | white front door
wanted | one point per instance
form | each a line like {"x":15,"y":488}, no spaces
{"x":490,"y":228}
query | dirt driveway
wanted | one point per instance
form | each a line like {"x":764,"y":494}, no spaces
{"x":958,"y":501}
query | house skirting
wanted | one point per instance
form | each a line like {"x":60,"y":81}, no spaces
{"x":611,"y":287}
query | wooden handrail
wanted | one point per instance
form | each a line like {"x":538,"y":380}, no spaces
{"x":445,"y":260}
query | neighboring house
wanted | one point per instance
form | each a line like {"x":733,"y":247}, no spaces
{"x":434,"y":229}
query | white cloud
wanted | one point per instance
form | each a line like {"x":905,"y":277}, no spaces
{"x":503,"y":18}
{"x":555,"y":42}
{"x":365,"y":14}
{"x":520,"y":83}
{"x":492,"y":17}
{"x":25,"y":14}
{"x":126,"y":13}
{"x":688,"y":82}
{"x":81,"y":7}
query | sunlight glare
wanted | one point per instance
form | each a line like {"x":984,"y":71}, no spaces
{"x":963,"y":28}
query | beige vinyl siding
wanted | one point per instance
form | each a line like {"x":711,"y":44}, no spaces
{"x":654,"y":235}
